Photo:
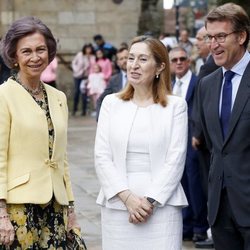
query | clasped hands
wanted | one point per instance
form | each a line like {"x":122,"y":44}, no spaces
{"x":139,"y":208}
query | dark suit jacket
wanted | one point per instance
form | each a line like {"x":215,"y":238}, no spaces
{"x":229,"y":158}
{"x":207,"y":68}
{"x":189,"y":99}
{"x":114,"y":86}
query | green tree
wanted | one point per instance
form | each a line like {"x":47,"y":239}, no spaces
{"x":245,"y":4}
{"x":151,"y":17}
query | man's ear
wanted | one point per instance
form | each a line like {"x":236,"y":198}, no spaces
{"x":242,"y":37}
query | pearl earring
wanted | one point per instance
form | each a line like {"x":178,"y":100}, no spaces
{"x":16,"y":65}
{"x":157,"y":76}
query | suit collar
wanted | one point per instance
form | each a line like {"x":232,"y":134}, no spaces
{"x":191,"y":86}
{"x":240,"y":100}
{"x":215,"y":100}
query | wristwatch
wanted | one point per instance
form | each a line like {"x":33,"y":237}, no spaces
{"x":152,"y":201}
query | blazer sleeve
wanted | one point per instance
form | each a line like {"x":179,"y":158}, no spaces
{"x":167,"y":181}
{"x":5,"y":123}
{"x":111,"y":178}
{"x":66,"y":165}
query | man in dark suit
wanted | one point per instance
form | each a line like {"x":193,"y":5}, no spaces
{"x":207,"y":68}
{"x":195,"y":223}
{"x":117,"y":81}
{"x":224,"y":111}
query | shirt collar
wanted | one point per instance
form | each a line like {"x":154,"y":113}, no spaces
{"x":185,"y":78}
{"x":240,"y":66}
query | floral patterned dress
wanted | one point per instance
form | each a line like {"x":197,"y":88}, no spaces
{"x":39,"y":226}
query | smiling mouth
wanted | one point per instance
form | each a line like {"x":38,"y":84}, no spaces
{"x":35,"y":66}
{"x":135,"y":75}
{"x":218,"y":53}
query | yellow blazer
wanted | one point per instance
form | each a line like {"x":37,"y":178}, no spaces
{"x":26,"y":173}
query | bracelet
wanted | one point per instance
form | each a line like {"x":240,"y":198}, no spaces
{"x":127,"y":198}
{"x":4,"y":216}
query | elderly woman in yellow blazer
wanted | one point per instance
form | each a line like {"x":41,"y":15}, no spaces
{"x":36,"y":199}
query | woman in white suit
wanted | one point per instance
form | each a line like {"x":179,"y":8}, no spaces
{"x":36,"y":199}
{"x":140,"y":152}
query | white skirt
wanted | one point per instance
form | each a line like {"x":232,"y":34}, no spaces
{"x":163,"y":230}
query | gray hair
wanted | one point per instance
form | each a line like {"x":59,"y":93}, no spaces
{"x":21,"y":28}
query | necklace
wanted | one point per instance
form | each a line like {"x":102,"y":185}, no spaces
{"x":34,"y":92}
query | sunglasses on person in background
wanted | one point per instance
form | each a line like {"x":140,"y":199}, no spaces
{"x":219,"y":38}
{"x":181,"y":59}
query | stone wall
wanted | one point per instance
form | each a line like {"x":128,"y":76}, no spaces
{"x":74,"y":22}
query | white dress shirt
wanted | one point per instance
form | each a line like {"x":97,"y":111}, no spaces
{"x":185,"y":83}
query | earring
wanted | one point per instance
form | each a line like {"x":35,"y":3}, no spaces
{"x":157,"y":76}
{"x":16,"y":65}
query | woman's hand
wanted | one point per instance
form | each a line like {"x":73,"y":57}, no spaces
{"x":7,"y":232}
{"x":139,"y":208}
{"x":72,"y":220}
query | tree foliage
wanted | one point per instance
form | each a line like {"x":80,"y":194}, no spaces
{"x":151,"y":17}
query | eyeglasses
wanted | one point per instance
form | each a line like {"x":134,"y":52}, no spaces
{"x":219,"y":38}
{"x":181,"y":59}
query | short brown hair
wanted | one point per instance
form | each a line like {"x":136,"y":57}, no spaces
{"x":21,"y":28}
{"x":233,"y":13}
{"x":161,"y":86}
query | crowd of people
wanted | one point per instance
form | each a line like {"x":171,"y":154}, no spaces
{"x":171,"y":146}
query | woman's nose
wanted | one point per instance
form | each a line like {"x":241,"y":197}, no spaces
{"x":35,"y":56}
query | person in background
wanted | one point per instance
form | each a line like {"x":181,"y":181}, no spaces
{"x":36,"y":198}
{"x":140,"y":151}
{"x":223,"y":106}
{"x":202,"y":49}
{"x":206,"y":68}
{"x":117,"y":81}
{"x":195,"y":222}
{"x":185,"y":43}
{"x":81,"y":66}
{"x":96,"y":84}
{"x":168,"y":40}
{"x":108,"y":49}
{"x":49,"y":75}
{"x":123,"y":45}
{"x":104,"y":63}
{"x":4,"y":70}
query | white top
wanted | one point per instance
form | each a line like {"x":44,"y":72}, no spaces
{"x":167,"y":149}
{"x":137,"y":159}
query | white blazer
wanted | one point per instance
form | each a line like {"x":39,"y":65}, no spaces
{"x":167,"y":149}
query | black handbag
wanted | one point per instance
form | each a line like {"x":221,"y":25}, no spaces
{"x":75,"y":241}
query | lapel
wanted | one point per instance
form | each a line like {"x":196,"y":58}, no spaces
{"x":191,"y":87}
{"x":215,"y":90}
{"x":124,"y":114}
{"x":53,"y":102}
{"x":240,"y":101}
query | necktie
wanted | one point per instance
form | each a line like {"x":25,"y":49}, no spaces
{"x":178,"y":88}
{"x":124,"y":80}
{"x":226,"y":103}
